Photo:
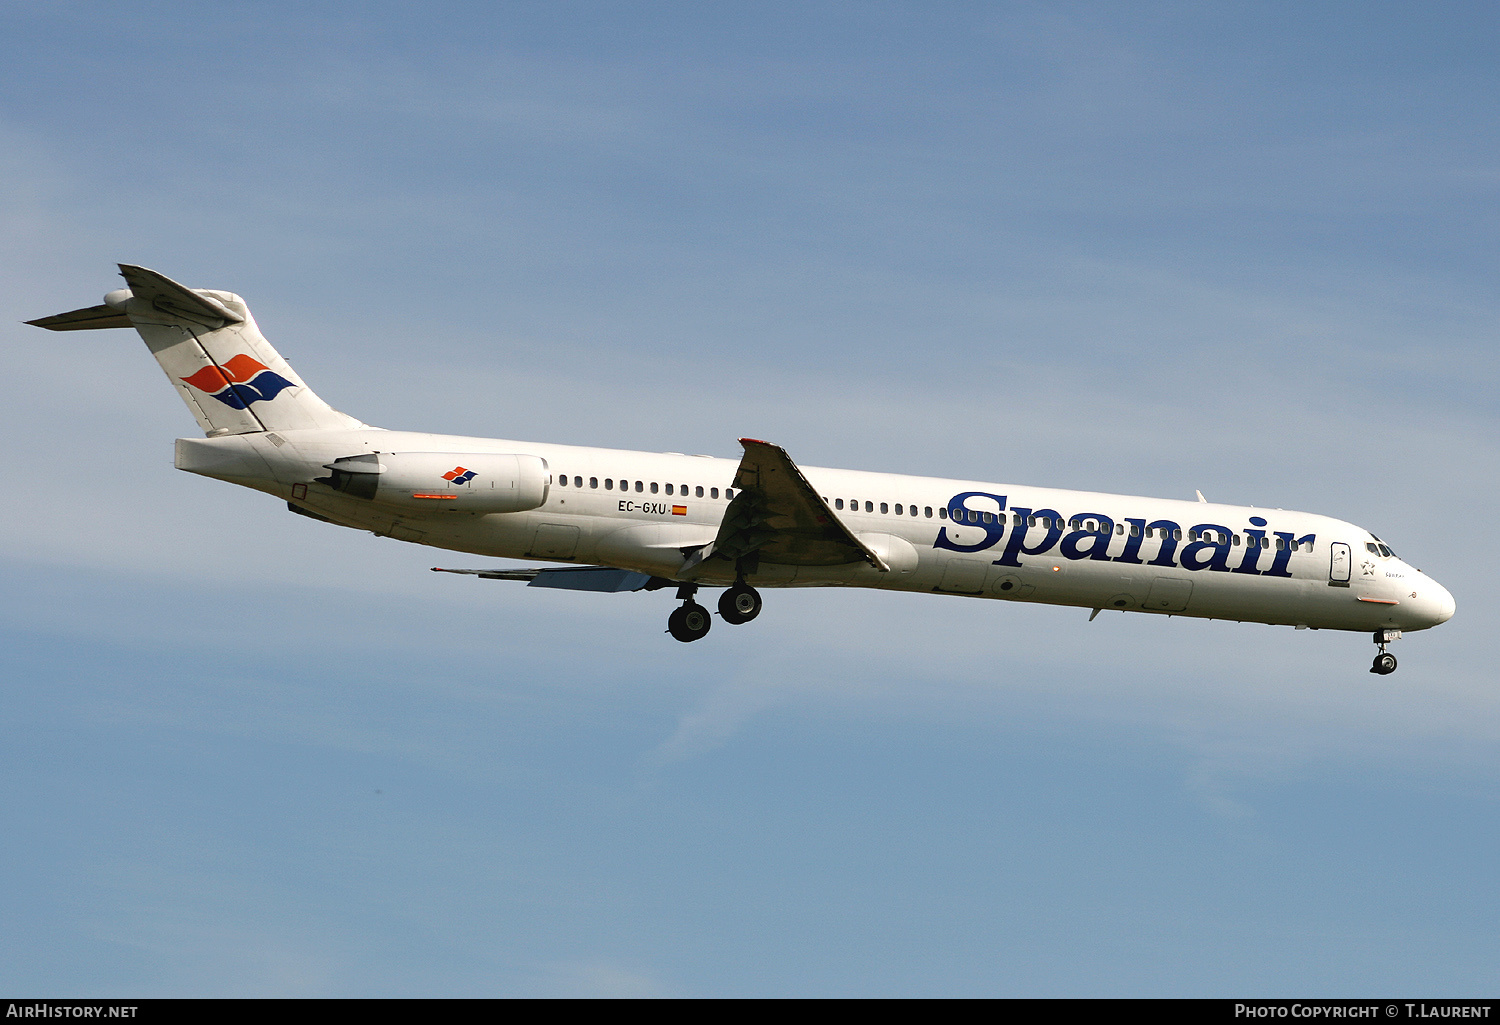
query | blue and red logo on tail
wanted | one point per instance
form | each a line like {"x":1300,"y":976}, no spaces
{"x":239,"y":382}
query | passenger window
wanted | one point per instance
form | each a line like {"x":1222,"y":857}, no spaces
{"x":898,"y":510}
{"x":942,"y":513}
{"x":869,"y":507}
{"x":640,"y":486}
{"x":729,"y":493}
{"x":838,"y":503}
{"x":593,"y":482}
{"x":653,"y":487}
{"x":1236,"y":541}
{"x":914,"y":510}
{"x":927,"y":511}
{"x":884,"y":508}
{"x":669,"y":489}
{"x":1177,"y":534}
{"x":713,"y":492}
{"x":563,"y":480}
{"x":609,"y":483}
{"x":699,"y":491}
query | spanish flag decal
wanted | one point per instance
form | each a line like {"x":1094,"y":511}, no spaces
{"x":679,"y":510}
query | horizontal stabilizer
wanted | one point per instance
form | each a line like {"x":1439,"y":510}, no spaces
{"x":91,"y":319}
{"x":167,"y":297}
{"x":571,"y":578}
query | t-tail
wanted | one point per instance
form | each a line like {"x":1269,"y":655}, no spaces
{"x":228,"y":374}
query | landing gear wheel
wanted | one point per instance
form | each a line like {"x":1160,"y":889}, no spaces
{"x":1385,"y":664}
{"x":740,"y":604}
{"x":689,"y":622}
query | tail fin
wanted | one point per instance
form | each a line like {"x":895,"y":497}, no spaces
{"x":228,"y":374}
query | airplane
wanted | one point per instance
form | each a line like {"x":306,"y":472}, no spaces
{"x":628,"y":521}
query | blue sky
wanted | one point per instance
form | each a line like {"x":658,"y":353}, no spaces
{"x":1122,"y":247}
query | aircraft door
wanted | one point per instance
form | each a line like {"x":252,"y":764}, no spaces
{"x":1338,"y":564}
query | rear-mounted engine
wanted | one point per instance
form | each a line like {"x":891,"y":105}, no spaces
{"x":433,"y":481}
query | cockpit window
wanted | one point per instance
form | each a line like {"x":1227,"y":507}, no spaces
{"x":1387,"y":552}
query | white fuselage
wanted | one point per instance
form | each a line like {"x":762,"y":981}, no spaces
{"x":646,"y":511}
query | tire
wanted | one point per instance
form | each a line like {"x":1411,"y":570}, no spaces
{"x":689,"y":622}
{"x":739,"y":604}
{"x":1385,"y":664}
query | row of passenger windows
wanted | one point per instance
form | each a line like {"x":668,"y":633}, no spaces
{"x":1135,"y":529}
{"x":885,"y":508}
{"x":1078,"y":523}
{"x":641,"y":487}
{"x":959,"y":515}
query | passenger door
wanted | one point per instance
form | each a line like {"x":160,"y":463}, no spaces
{"x":1339,"y":562}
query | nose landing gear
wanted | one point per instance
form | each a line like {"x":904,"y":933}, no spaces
{"x":1385,"y":662}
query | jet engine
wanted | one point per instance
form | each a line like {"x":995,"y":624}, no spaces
{"x":437,"y":481}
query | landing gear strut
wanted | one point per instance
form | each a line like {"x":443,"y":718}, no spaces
{"x":689,"y":621}
{"x":1385,"y":662}
{"x":740,"y":604}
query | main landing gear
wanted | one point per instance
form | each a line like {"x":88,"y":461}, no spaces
{"x":690,"y":621}
{"x":740,"y":604}
{"x":1385,"y":662}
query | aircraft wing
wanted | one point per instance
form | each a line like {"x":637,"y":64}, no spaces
{"x":777,"y":517}
{"x":570,"y":578}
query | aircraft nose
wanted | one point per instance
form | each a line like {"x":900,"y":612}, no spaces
{"x":1438,"y":605}
{"x":1446,"y":606}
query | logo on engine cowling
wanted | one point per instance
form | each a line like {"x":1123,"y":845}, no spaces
{"x":459,"y":475}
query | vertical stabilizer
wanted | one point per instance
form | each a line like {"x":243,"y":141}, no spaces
{"x":228,"y":374}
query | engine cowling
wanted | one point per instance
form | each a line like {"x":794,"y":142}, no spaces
{"x":444,"y":481}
